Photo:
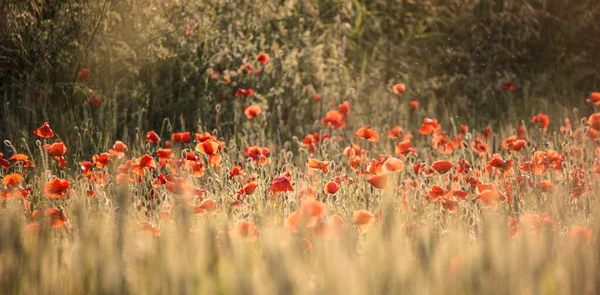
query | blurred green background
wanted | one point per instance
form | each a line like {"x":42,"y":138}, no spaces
{"x":153,"y":64}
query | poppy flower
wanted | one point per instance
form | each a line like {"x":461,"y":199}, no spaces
{"x":56,"y":217}
{"x":594,"y":98}
{"x":442,"y":166}
{"x":118,"y":149}
{"x":405,"y":147}
{"x":102,"y":160}
{"x":95,"y":101}
{"x":334,"y":119}
{"x":429,"y":126}
{"x":149,"y":229}
{"x":282,"y":183}
{"x":56,"y":149}
{"x":393,"y":165}
{"x":248,"y":231}
{"x":344,"y":109}
{"x":245,"y":92}
{"x":581,"y":234}
{"x":331,"y":187}
{"x":252,"y":111}
{"x":316,"y":98}
{"x":379,"y":181}
{"x":248,"y":188}
{"x":3,"y":162}
{"x":152,"y":136}
{"x":208,"y":147}
{"x":205,"y":207}
{"x":84,"y":74}
{"x":414,"y":105}
{"x":506,"y":85}
{"x":22,"y":158}
{"x":12,"y":180}
{"x":450,"y":205}
{"x":57,"y":188}
{"x":594,"y":121}
{"x":263,"y":58}
{"x":323,"y":166}
{"x":435,"y":193}
{"x":367,"y":133}
{"x":258,"y":154}
{"x":399,"y":88}
{"x":480,"y":146}
{"x":183,"y":137}
{"x":541,"y":119}
{"x":236,"y":170}
{"x":146,"y":162}
{"x":44,"y":131}
{"x":363,"y":219}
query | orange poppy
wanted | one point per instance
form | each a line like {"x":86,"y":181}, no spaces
{"x":44,"y":131}
{"x":146,"y":162}
{"x":56,"y":216}
{"x":57,"y":188}
{"x":344,"y":109}
{"x":208,"y":147}
{"x":12,"y":180}
{"x":393,"y":165}
{"x":594,"y":121}
{"x":450,"y":205}
{"x":442,"y":166}
{"x":363,"y":219}
{"x":236,"y":170}
{"x":263,"y":58}
{"x":367,"y":133}
{"x":405,"y":147}
{"x":581,"y":234}
{"x":323,"y":166}
{"x":435,"y":193}
{"x":252,"y":111}
{"x":379,"y":181}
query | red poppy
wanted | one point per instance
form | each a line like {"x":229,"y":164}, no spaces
{"x":541,"y":119}
{"x":414,"y":105}
{"x":506,"y":85}
{"x":282,"y":183}
{"x":95,"y":101}
{"x":57,"y":188}
{"x":334,"y":119}
{"x":12,"y":180}
{"x":331,"y":187}
{"x":399,"y":89}
{"x":248,"y":231}
{"x":367,"y":133}
{"x":263,"y":58}
{"x":252,"y":111}
{"x":56,"y":149}
{"x":405,"y":147}
{"x":317,"y":97}
{"x":594,"y":98}
{"x":152,"y":136}
{"x":102,"y":160}
{"x":258,"y":154}
{"x":183,"y":137}
{"x":344,"y":109}
{"x":594,"y":121}
{"x":245,"y":92}
{"x":248,"y":188}
{"x":208,"y":147}
{"x":44,"y":131}
{"x":429,"y":126}
{"x":442,"y":166}
{"x":84,"y":74}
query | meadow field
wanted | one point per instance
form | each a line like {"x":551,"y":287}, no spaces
{"x":299,"y":147}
